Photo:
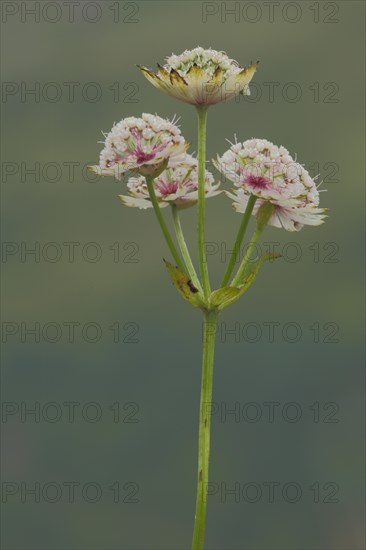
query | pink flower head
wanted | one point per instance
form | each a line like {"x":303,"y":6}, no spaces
{"x":260,"y":168}
{"x":143,"y":145}
{"x":176,"y":185}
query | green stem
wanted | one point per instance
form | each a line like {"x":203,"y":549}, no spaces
{"x":238,"y":277}
{"x":239,"y":240}
{"x":164,"y":228}
{"x":202,"y":120}
{"x":209,"y":334}
{"x":184,"y":249}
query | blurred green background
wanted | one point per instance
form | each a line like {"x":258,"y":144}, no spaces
{"x":156,"y":362}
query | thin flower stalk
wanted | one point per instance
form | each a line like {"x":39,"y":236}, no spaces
{"x":202,"y":121}
{"x":237,"y":280}
{"x":164,"y":228}
{"x":239,"y":239}
{"x":184,"y":249}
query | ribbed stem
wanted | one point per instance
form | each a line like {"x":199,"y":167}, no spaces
{"x":209,"y":335}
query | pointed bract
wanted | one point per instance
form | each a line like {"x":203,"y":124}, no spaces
{"x":201,"y":77}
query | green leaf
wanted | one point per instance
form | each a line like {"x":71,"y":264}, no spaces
{"x":223,"y":295}
{"x":253,"y":267}
{"x":184,"y":285}
{"x":227,"y":295}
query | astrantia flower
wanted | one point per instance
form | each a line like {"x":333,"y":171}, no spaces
{"x":291,"y":214}
{"x":142,"y":145}
{"x":177,"y":185}
{"x":260,"y":168}
{"x":201,"y":77}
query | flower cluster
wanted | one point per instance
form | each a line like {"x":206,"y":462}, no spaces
{"x":176,"y":185}
{"x":201,"y":77}
{"x":153,"y":146}
{"x":258,"y":167}
{"x":142,"y":145}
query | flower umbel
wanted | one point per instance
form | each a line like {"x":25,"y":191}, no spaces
{"x":142,"y":145}
{"x":176,"y":185}
{"x":260,"y":168}
{"x":201,"y":77}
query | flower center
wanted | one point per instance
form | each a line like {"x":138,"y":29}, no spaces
{"x":209,"y":60}
{"x":143,"y":157}
{"x":257,"y":182}
{"x":167,"y":188}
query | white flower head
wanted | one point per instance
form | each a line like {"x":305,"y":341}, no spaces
{"x":260,"y":168}
{"x":176,"y":185}
{"x":201,"y":77}
{"x":142,"y":145}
